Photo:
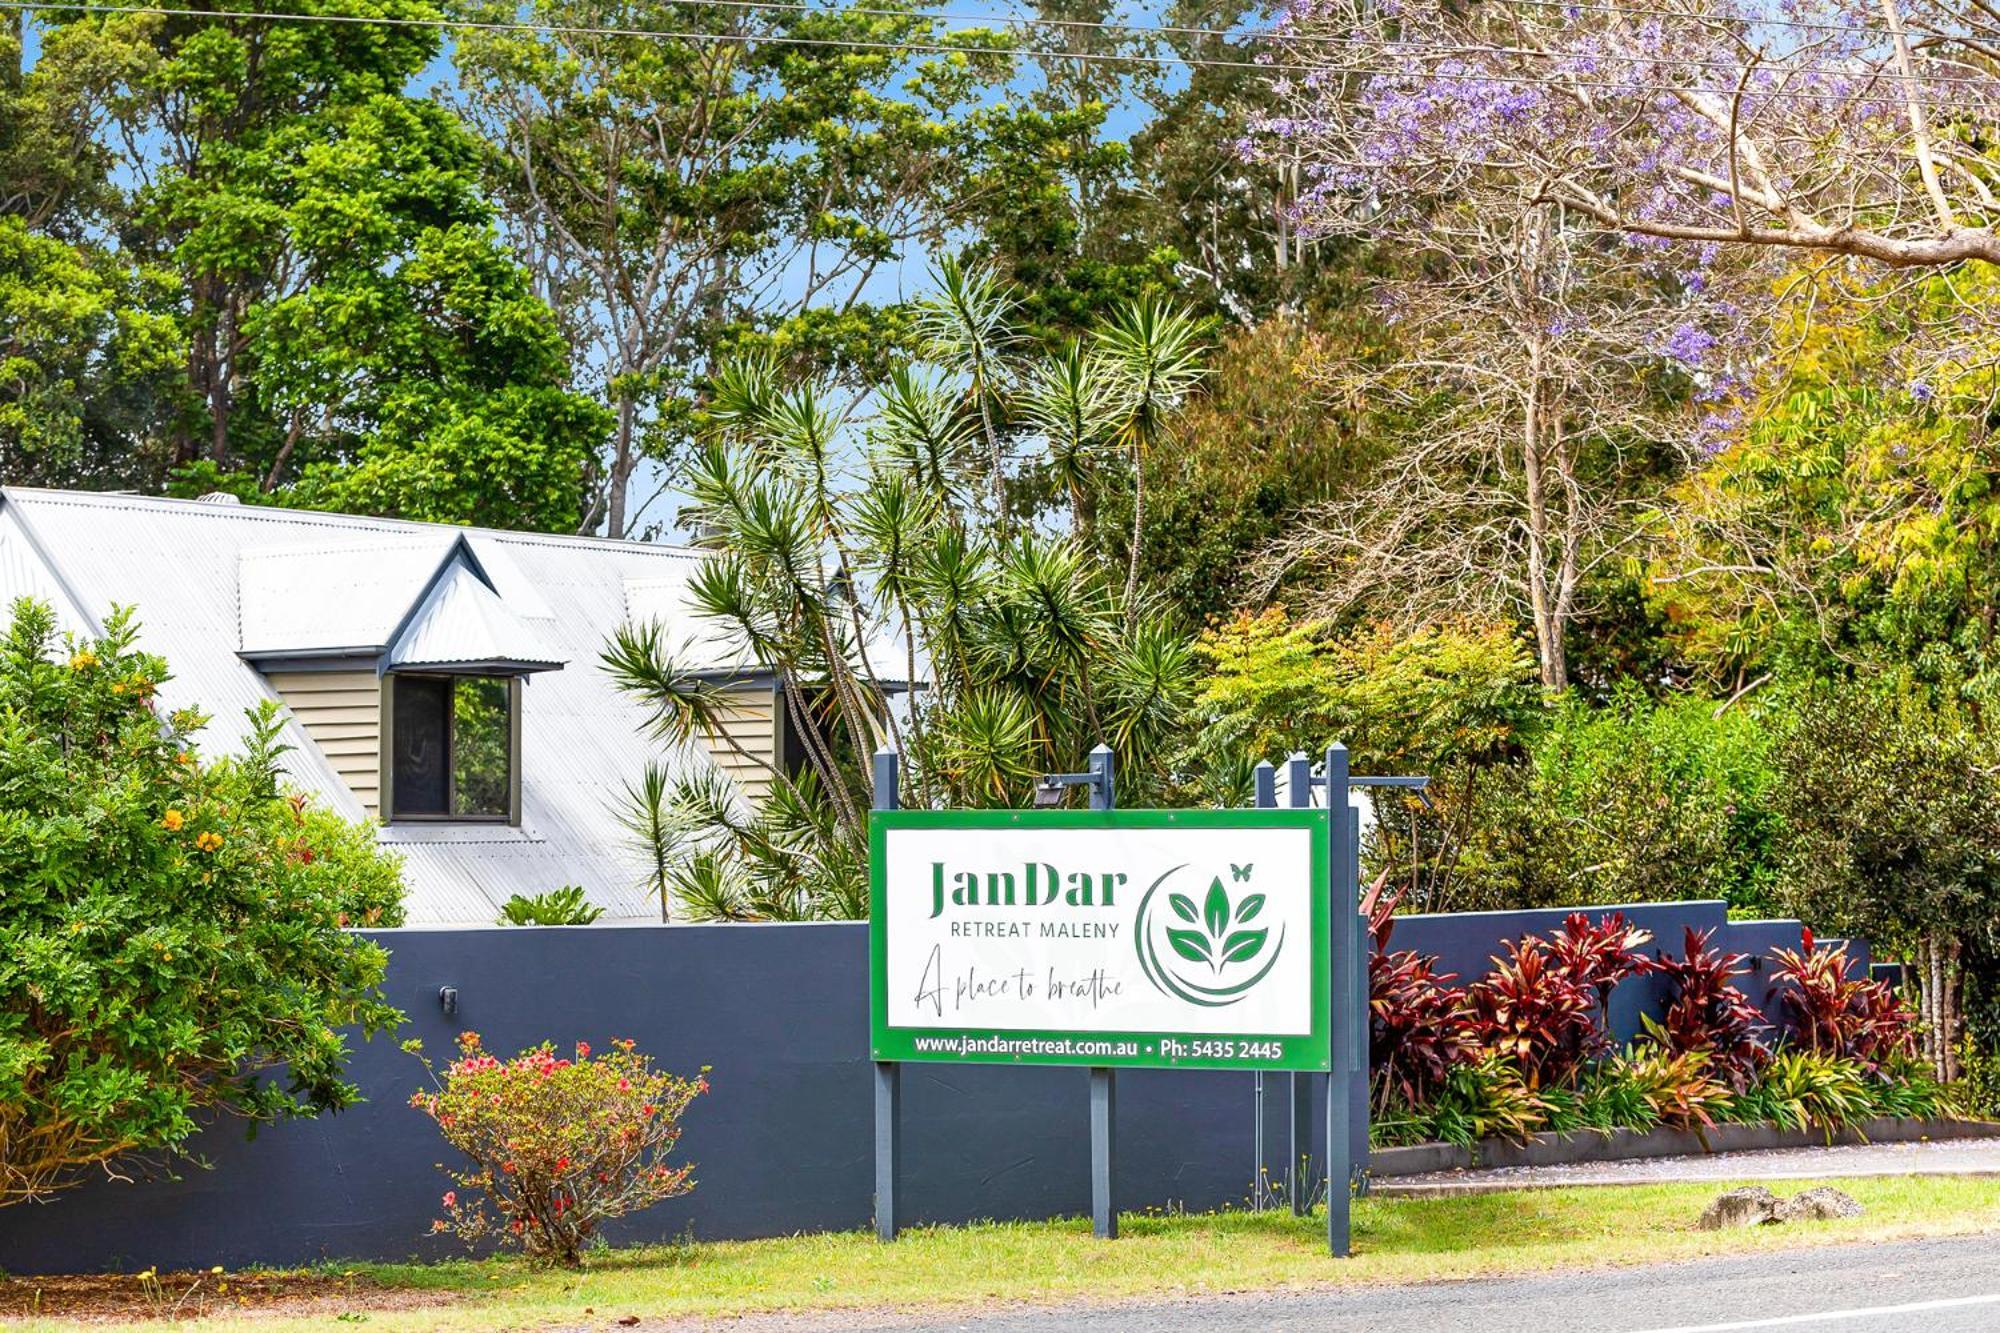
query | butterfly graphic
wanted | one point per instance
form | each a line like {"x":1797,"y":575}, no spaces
{"x":1240,"y":872}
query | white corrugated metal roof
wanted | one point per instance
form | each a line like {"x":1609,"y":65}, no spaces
{"x":311,"y":598}
{"x":462,"y":622}
{"x":178,"y":563}
{"x":701,"y":646}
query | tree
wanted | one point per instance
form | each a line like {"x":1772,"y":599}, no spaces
{"x":1844,"y":127}
{"x":1454,"y":701}
{"x":318,"y":247}
{"x":1891,"y":812}
{"x":679,"y":195}
{"x":80,"y":337}
{"x":839,"y":581}
{"x":174,"y":945}
{"x":88,"y":345}
{"x":1550,"y":379}
{"x":1263,"y":440}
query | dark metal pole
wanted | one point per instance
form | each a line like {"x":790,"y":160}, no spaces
{"x":1358,"y":1073}
{"x":888,"y":1074}
{"x":1264,"y":785}
{"x":1345,"y":870}
{"x":1103,"y":1084}
{"x":1298,"y":1169}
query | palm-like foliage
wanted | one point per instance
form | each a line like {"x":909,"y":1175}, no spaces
{"x":1072,"y":401}
{"x":1028,"y":651}
{"x":1156,"y":357}
{"x":965,"y":328}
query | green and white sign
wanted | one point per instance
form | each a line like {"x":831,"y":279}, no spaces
{"x":1175,"y":938}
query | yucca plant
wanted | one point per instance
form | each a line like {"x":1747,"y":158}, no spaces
{"x":1023,"y":649}
{"x":1156,"y":357}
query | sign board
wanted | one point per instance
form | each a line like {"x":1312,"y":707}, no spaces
{"x":1170,"y":938}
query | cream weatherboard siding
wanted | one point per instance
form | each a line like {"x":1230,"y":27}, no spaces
{"x":747,"y":739}
{"x":342,"y":712}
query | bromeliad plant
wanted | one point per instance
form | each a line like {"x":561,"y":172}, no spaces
{"x":557,"y":1145}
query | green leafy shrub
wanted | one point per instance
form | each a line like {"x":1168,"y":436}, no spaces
{"x":557,"y":907}
{"x":1680,"y":1088}
{"x":1487,"y":1100}
{"x":557,"y":1146}
{"x":172,"y":926}
{"x":1651,"y":801}
{"x":1805,"y":1090}
{"x":1614,"y":1097}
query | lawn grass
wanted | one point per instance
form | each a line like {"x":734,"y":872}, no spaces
{"x":1396,"y":1240}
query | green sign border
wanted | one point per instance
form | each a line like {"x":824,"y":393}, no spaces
{"x":1310,"y":1052}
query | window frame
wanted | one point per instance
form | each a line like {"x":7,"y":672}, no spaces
{"x":386,"y":777}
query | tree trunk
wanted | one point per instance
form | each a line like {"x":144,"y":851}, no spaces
{"x":1548,"y":628}
{"x":620,"y":476}
{"x":1138,"y":531}
{"x":1953,"y":979}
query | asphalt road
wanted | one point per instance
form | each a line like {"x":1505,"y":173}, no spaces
{"x":1936,"y":1286}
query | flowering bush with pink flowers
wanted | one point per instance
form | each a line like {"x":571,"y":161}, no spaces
{"x":557,"y":1144}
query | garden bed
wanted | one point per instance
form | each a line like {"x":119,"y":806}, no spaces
{"x":1613,"y":1145}
{"x":314,"y":1295}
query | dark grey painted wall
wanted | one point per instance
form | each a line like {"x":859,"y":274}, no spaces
{"x":782,"y":1141}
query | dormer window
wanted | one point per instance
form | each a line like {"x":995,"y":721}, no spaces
{"x":454,"y":747}
{"x":405,"y":665}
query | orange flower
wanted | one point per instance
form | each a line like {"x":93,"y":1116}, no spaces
{"x":83,"y":661}
{"x":172,"y":821}
{"x":207,"y":842}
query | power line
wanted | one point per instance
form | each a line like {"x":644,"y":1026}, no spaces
{"x":1258,"y":34}
{"x":1098,"y":57}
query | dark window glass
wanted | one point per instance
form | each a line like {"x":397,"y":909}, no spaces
{"x":453,"y":742}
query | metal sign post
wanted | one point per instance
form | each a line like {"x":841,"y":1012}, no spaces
{"x":888,"y":1074}
{"x":1100,"y":938}
{"x":1343,"y":862}
{"x":1103,"y":1085}
{"x":1299,"y":1175}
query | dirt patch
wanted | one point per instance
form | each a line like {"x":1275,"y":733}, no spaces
{"x":125,"y":1297}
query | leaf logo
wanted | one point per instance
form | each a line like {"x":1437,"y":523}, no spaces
{"x":1219,"y":938}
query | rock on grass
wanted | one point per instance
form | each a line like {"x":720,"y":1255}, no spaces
{"x":1755,"y":1206}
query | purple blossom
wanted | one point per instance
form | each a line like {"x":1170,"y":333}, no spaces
{"x":1689,"y":344}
